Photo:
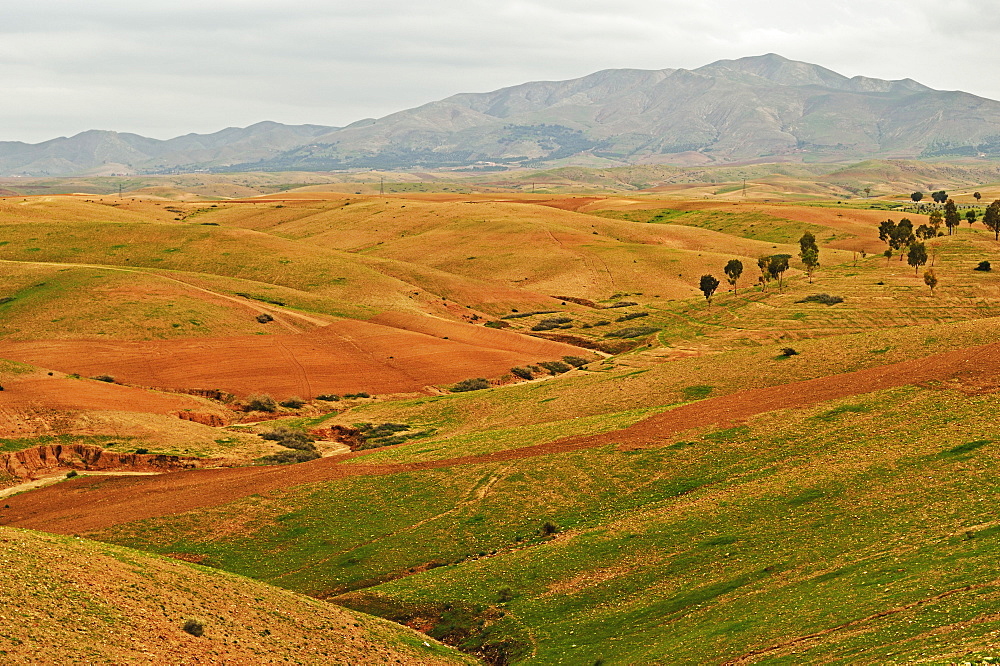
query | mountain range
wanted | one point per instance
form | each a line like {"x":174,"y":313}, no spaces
{"x":762,"y":107}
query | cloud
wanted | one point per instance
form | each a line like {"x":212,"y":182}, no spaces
{"x":163,"y":69}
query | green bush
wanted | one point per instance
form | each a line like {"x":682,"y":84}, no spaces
{"x":631,"y":332}
{"x":104,"y":378}
{"x":290,"y":438}
{"x":576,"y":361}
{"x":632,"y":315}
{"x":523,"y":373}
{"x":328,"y":397}
{"x":555,"y":367}
{"x":70,"y":474}
{"x":294,"y":402}
{"x":362,"y":394}
{"x":477,"y":384}
{"x":496,"y":324}
{"x":287,"y":457}
{"x":194,"y":627}
{"x":825,"y":299}
{"x":261,"y":403}
{"x":550,"y":323}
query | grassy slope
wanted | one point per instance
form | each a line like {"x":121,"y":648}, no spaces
{"x":70,"y":600}
{"x":698,"y":549}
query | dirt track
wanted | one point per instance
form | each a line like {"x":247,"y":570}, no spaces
{"x":83,"y":505}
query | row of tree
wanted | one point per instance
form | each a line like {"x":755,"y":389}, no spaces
{"x":772,"y":267}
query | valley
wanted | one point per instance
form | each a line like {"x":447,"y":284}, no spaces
{"x":493,"y":418}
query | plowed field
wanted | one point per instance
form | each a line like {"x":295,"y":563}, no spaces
{"x":83,"y":505}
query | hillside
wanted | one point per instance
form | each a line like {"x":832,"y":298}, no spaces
{"x":727,"y":111}
{"x":794,"y":470}
{"x":70,"y":600}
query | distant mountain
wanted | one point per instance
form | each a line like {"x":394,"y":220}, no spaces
{"x":763,"y":107}
{"x":99,"y":152}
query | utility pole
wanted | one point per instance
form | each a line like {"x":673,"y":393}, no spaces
{"x":381,"y":184}
{"x":744,"y":188}
{"x":119,"y":190}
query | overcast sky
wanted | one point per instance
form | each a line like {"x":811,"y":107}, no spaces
{"x":168,"y":68}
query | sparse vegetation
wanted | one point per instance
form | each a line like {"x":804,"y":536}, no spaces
{"x":825,"y":299}
{"x":477,"y":384}
{"x":261,"y":403}
{"x":555,"y":367}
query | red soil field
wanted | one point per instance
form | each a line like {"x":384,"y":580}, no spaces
{"x":346,"y":356}
{"x":84,"y":505}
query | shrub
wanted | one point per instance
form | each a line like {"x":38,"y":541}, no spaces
{"x":621,"y":304}
{"x":477,"y":384}
{"x":142,"y":452}
{"x":632,"y":315}
{"x":261,"y":403}
{"x":825,"y":299}
{"x":194,"y":627}
{"x":788,"y":351}
{"x":387,"y":434}
{"x":555,"y":367}
{"x":328,"y":397}
{"x":603,"y":322}
{"x":520,"y":315}
{"x":505,"y":595}
{"x":549,"y":529}
{"x":549,"y":323}
{"x":104,"y":378}
{"x":290,"y":438}
{"x":294,"y":402}
{"x":287,"y":457}
{"x":576,"y":361}
{"x":70,"y":474}
{"x":983,"y":266}
{"x":264,"y":318}
{"x":496,"y":324}
{"x":631,"y":332}
{"x":362,"y":394}
{"x":523,"y":373}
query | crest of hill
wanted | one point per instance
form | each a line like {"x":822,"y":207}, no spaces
{"x":728,"y":111}
{"x":80,"y":600}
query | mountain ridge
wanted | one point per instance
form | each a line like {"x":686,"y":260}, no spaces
{"x":725,"y":112}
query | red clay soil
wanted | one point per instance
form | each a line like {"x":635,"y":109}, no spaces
{"x":347,"y":356}
{"x":90,"y":395}
{"x":83,"y":505}
{"x":41,"y":460}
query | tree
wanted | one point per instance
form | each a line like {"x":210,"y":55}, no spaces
{"x":924,"y":232}
{"x":868,"y":191}
{"x":930,"y":279}
{"x":904,"y":236}
{"x":970,"y":216}
{"x":951,"y":216}
{"x":991,"y":218}
{"x":809,"y":253}
{"x":765,"y":277}
{"x":777,"y":264}
{"x":916,"y":256}
{"x":935,"y":219}
{"x":917,"y":196}
{"x":978,"y":196}
{"x":940,"y":196}
{"x":708,"y":285}
{"x":733,"y":270}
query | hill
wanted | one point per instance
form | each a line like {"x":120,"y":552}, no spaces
{"x":728,"y":111}
{"x":72,"y":600}
{"x":795,"y":470}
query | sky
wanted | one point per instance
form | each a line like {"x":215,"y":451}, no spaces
{"x":163,"y":69}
